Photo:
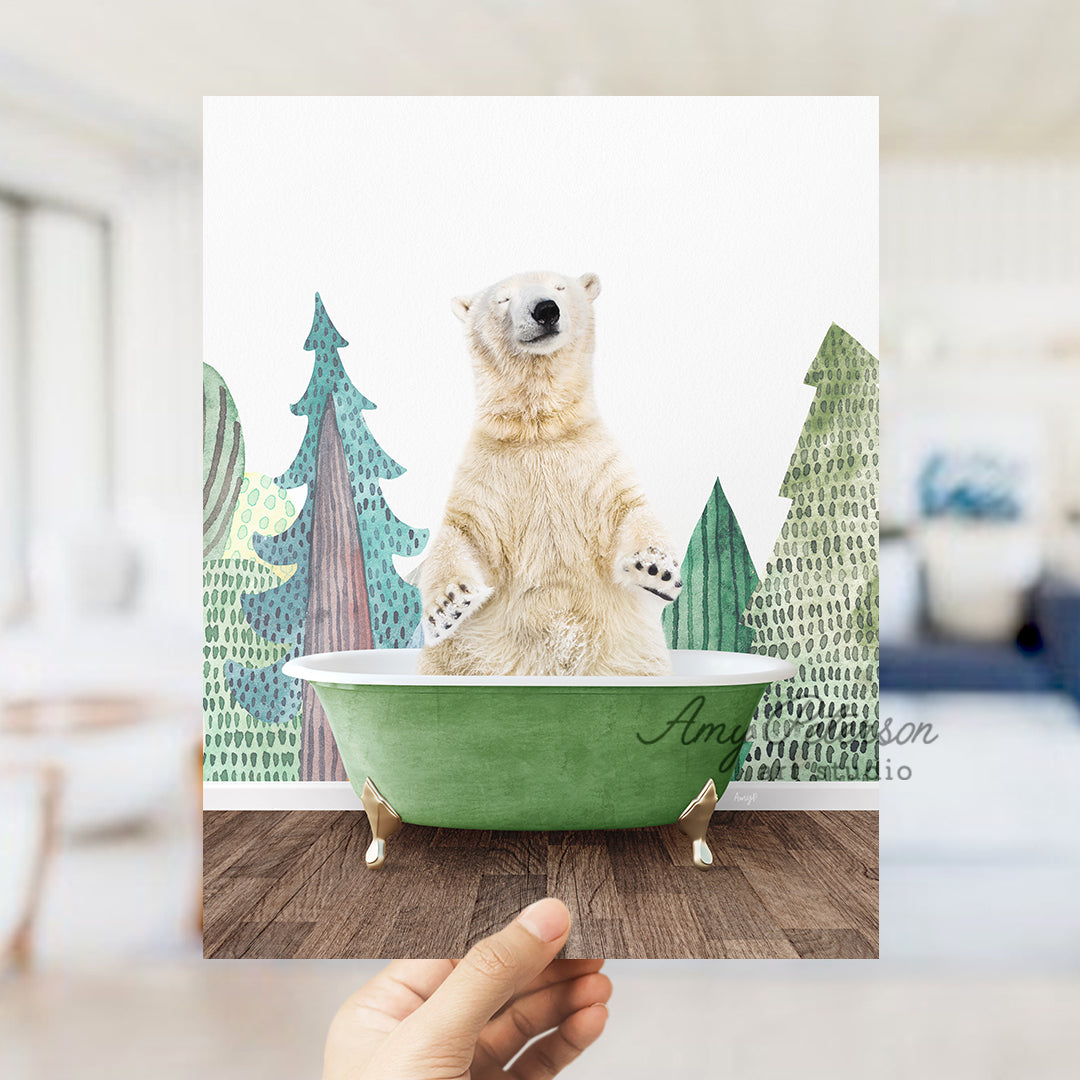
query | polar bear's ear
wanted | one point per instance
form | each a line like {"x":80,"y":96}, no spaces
{"x":460,"y":306}
{"x":591,"y":284}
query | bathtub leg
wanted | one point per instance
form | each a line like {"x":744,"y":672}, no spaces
{"x":694,"y":822}
{"x":383,"y":820}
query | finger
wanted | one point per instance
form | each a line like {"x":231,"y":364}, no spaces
{"x":421,"y":977}
{"x":538,"y":1012}
{"x":548,"y":1056}
{"x":372,"y":1013}
{"x":492,"y":972}
{"x":399,"y":989}
{"x":558,"y":971}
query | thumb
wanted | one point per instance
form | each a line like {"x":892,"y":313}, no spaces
{"x":493,"y":971}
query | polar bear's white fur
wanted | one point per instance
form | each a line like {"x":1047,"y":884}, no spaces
{"x":548,"y":561}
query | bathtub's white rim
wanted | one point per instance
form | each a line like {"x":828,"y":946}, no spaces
{"x":699,"y":667}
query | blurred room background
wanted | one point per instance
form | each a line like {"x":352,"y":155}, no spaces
{"x":100,"y":602}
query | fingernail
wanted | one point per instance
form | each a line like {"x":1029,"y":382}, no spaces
{"x":547,"y":919}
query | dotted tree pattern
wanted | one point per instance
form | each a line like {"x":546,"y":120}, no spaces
{"x":265,"y":507}
{"x":381,"y":533}
{"x":279,"y":614}
{"x":237,"y":745}
{"x":817,"y":604}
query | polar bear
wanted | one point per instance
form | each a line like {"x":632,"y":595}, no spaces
{"x":548,"y":560}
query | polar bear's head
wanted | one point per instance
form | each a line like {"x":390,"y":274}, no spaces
{"x":535,"y":314}
{"x":531,"y":340}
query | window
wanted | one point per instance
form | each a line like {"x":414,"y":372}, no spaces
{"x":56,"y":430}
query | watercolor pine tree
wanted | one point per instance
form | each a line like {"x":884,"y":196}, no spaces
{"x":223,"y":462}
{"x":237,"y":746}
{"x":817,"y":604}
{"x":718,"y":581}
{"x":345,"y":592}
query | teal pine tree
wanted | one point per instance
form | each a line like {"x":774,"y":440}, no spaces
{"x":345,"y":592}
{"x":817,"y":604}
{"x":394,"y":605}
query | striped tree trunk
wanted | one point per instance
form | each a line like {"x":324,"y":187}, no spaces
{"x":337,"y":610}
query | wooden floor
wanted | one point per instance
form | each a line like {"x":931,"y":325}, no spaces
{"x":786,"y":884}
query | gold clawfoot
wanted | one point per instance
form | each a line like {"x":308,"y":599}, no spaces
{"x":383,"y":820}
{"x":694,"y":822}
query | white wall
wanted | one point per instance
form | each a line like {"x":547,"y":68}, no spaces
{"x":728,"y":234}
{"x":12,"y":582}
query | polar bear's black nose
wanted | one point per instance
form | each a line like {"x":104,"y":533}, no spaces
{"x":546,"y":313}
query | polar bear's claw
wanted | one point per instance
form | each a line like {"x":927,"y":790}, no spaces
{"x":649,"y":568}
{"x":443,"y":617}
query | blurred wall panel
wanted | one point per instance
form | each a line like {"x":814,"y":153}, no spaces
{"x":987,"y":250}
{"x":158,"y":387}
{"x":12,"y":522}
{"x":980,"y":274}
{"x":67,"y":406}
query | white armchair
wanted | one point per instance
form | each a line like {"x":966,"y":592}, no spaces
{"x":29,"y":803}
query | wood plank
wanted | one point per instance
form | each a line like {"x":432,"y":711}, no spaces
{"x":726,"y":906}
{"x":792,"y":896}
{"x":472,"y":840}
{"x":233,"y":835}
{"x":639,"y":860}
{"x":580,"y":875}
{"x":849,"y":833}
{"x":863,"y":822}
{"x":797,"y":830}
{"x":516,"y":853}
{"x":272,"y":853}
{"x":294,"y":884}
{"x":435,"y":910}
{"x":600,"y":938}
{"x":500,"y":898}
{"x":832,"y":945}
{"x":351,"y":905}
{"x":851,"y":885}
{"x":751,"y":949}
{"x":278,"y":940}
{"x":257,"y":900}
{"x":662,"y":926}
{"x":745,"y":837}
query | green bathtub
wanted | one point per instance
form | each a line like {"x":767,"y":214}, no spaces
{"x":537,"y":753}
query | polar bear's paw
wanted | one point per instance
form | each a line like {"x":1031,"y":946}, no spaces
{"x":451,"y":608}
{"x":654,"y":571}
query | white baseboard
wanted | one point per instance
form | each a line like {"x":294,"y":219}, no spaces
{"x":809,"y":795}
{"x":742,"y":795}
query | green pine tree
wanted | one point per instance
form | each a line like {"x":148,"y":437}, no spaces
{"x":817,"y":604}
{"x":237,"y":746}
{"x":223,"y":462}
{"x":718,"y":581}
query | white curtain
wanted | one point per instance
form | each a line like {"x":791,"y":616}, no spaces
{"x":67,"y":407}
{"x":12,"y":519}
